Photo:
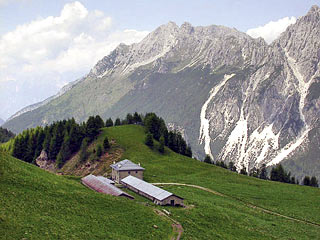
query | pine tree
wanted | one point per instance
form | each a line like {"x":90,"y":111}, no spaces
{"x":161,"y":145}
{"x":137,"y":118}
{"x":109,"y":122}
{"x":263,"y":172}
{"x":99,"y":150}
{"x":306,"y":181}
{"x":99,"y":122}
{"x":188,"y":151}
{"x":117,"y":122}
{"x":314,"y":182}
{"x":92,"y":128}
{"x":129,"y":118}
{"x":148,"y":140}
{"x":83,"y":150}
{"x":208,"y":159}
{"x":106,"y":144}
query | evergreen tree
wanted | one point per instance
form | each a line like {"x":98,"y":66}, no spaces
{"x":279,"y":174}
{"x":99,"y":122}
{"x":47,"y":140}
{"x":76,"y":137}
{"x":306,"y":181}
{"x":263,"y":172}
{"x":83,"y":150}
{"x":40,"y":140}
{"x":65,"y":152}
{"x":314,"y":182}
{"x":17,"y":151}
{"x":99,"y":150}
{"x":293,"y":180}
{"x":148,"y":140}
{"x":106,"y":144}
{"x":137,"y":118}
{"x":129,"y":119}
{"x":109,"y":122}
{"x":92,"y":128}
{"x":161,"y":145}
{"x":208,"y":159}
{"x":188,"y":151}
{"x":117,"y":122}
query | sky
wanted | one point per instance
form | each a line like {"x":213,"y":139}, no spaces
{"x":46,"y":44}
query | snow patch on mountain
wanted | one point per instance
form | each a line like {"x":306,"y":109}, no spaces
{"x":205,"y":125}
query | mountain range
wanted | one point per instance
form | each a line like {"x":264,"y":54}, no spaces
{"x":233,"y":97}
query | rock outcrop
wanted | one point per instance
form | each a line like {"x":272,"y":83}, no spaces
{"x":43,"y":162}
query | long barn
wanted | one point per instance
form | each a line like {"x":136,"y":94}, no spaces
{"x":155,"y":194}
{"x":103,"y":185}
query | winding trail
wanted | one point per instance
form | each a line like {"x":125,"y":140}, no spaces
{"x":177,"y":227}
{"x":246,"y":203}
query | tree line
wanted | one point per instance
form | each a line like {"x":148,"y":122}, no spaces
{"x":277,"y":173}
{"x":156,"y":129}
{"x":60,"y":139}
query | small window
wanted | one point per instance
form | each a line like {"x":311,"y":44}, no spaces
{"x":136,"y":171}
{"x":129,"y":172}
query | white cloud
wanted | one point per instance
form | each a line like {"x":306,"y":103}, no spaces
{"x":272,"y":30}
{"x":37,"y":58}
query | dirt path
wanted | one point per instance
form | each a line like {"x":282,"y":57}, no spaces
{"x":247,"y":204}
{"x":177,"y":227}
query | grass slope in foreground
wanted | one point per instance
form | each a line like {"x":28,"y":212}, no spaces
{"x":215,"y":217}
{"x":35,"y":204}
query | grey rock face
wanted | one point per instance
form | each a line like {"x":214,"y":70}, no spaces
{"x":235,"y":97}
{"x":43,"y":162}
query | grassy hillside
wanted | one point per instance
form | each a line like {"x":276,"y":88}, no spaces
{"x":40,"y":204}
{"x":36,"y":204}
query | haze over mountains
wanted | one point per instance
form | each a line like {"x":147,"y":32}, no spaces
{"x":234,"y":97}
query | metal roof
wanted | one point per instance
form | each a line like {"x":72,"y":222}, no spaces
{"x":126,"y":165}
{"x":147,"y":188}
{"x":102,"y":186}
{"x":104,"y":179}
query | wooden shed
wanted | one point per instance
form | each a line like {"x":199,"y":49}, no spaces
{"x":157,"y":195}
{"x":125,"y":168}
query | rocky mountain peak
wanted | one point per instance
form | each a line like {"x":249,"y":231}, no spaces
{"x":313,"y":9}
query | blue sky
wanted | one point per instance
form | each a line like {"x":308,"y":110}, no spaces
{"x":148,"y":14}
{"x":47,"y":44}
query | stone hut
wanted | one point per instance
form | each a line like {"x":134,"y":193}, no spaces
{"x":125,"y":168}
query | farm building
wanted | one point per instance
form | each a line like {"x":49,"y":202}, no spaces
{"x":125,"y":168}
{"x":157,"y":195}
{"x":103,"y":185}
